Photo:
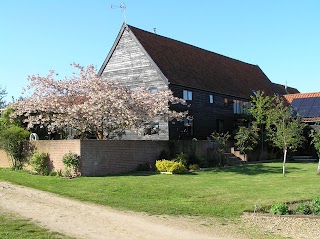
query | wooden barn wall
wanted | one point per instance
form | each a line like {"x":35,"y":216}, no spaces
{"x":130,"y":67}
{"x":205,"y":115}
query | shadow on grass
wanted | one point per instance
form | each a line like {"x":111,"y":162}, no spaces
{"x":255,"y":169}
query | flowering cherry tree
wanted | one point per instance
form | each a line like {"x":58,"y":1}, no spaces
{"x":87,"y":103}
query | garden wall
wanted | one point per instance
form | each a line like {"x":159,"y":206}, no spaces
{"x":106,"y":157}
{"x":103,"y":157}
{"x":4,"y":160}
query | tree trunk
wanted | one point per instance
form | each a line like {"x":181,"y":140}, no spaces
{"x":318,"y":170}
{"x":261,"y":153}
{"x":284,"y":162}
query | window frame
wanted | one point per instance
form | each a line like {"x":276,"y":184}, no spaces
{"x":187,"y":94}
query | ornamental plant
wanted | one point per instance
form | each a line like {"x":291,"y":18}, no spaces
{"x":40,"y":163}
{"x":279,"y":208}
{"x":71,"y":161}
{"x":170,"y":166}
{"x":90,"y":104}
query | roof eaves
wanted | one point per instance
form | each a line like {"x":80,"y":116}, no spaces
{"x":123,"y":27}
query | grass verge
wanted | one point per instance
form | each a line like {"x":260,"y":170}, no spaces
{"x":14,"y":227}
{"x":220,"y":192}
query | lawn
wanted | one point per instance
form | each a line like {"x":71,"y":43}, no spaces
{"x":15,"y":227}
{"x":220,"y":192}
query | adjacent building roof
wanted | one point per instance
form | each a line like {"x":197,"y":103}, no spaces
{"x":307,"y":105}
{"x":190,"y":66}
{"x":282,"y":90}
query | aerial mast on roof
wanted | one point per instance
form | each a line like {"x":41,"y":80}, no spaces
{"x":123,"y":8}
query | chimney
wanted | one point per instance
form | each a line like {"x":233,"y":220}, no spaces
{"x":155,"y":30}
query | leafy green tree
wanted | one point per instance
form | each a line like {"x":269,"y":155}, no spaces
{"x":3,"y":94}
{"x":11,"y":141}
{"x":246,"y":139}
{"x":315,"y":134}
{"x":12,"y":138}
{"x":260,"y":106}
{"x":284,"y":130}
{"x":221,"y":144}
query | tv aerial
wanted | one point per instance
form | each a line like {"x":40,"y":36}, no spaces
{"x":122,"y":7}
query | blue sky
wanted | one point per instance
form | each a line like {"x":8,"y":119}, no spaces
{"x":281,"y":36}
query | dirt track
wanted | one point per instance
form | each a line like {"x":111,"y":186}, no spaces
{"x":85,"y":220}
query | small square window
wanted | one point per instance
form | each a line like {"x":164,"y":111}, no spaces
{"x":226,"y":102}
{"x":211,"y":99}
{"x":187,"y":95}
{"x":153,"y":90}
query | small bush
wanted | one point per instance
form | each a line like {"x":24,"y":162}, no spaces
{"x":71,"y":161}
{"x":144,"y":167}
{"x":279,"y":209}
{"x":315,"y":205}
{"x":40,"y":162}
{"x":178,"y":167}
{"x":180,"y":158}
{"x":303,"y":208}
{"x":194,"y":167}
{"x":164,"y":155}
{"x":53,"y":173}
{"x":170,"y":166}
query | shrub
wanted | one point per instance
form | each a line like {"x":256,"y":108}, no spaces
{"x":303,"y":208}
{"x":164,"y":155}
{"x":279,"y":209}
{"x":40,"y":162}
{"x":53,"y":173}
{"x":11,"y":141}
{"x":315,"y":205}
{"x":144,"y":167}
{"x":71,"y":162}
{"x":178,"y":167}
{"x":194,"y":167}
{"x":170,"y":166}
{"x":180,"y":158}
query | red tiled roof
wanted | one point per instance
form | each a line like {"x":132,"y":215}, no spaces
{"x":190,"y":66}
{"x":290,"y":97}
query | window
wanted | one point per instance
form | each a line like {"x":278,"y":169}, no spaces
{"x":153,"y":90}
{"x":151,"y":128}
{"x":187,"y":95}
{"x":226,"y":102}
{"x":188,"y":124}
{"x":211,"y":99}
{"x":239,"y":107}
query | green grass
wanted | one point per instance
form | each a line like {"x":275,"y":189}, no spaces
{"x":219,"y":192}
{"x":15,"y":227}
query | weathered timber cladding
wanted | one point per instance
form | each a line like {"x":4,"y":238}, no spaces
{"x":130,"y":67}
{"x":205,"y":115}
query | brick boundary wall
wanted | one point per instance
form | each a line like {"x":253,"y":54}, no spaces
{"x":103,"y":157}
{"x":107,"y":157}
{"x":56,"y":149}
{"x":4,"y":160}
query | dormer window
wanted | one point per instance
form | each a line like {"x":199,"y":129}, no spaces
{"x":187,"y":95}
